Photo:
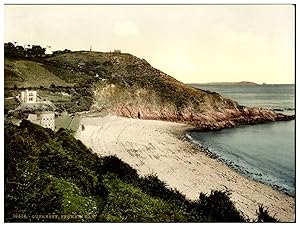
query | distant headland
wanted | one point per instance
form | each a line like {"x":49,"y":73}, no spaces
{"x":232,"y":83}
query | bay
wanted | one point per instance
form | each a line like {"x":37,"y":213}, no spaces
{"x":263,"y":152}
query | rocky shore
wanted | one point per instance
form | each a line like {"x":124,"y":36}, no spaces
{"x":207,"y":120}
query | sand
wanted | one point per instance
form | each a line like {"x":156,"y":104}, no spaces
{"x":159,"y":147}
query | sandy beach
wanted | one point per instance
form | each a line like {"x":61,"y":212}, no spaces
{"x":158,"y":147}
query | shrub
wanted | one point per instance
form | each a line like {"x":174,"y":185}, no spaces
{"x":217,"y":207}
{"x":263,"y":215}
{"x":37,"y":132}
{"x":127,"y":203}
{"x":153,"y":186}
{"x":112,"y":164}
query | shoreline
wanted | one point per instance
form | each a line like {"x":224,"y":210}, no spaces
{"x":159,"y":147}
{"x":197,"y":146}
{"x":212,"y":155}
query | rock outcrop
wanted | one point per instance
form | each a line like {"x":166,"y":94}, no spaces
{"x":213,"y":114}
{"x":208,"y":120}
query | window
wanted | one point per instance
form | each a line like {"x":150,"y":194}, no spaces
{"x":30,"y":99}
{"x":30,"y":94}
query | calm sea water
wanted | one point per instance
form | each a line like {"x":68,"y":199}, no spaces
{"x":264,"y":152}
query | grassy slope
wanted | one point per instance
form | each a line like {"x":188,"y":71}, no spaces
{"x":25,"y":73}
{"x":67,"y":122}
{"x":53,"y":173}
{"x":127,"y":203}
{"x":53,"y":96}
{"x":10,"y":103}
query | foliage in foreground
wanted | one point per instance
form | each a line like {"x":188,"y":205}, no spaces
{"x":53,"y":177}
{"x":263,"y":215}
{"x":127,"y":203}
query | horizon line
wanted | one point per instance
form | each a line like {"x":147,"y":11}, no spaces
{"x":235,"y":82}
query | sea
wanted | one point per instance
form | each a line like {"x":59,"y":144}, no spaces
{"x":263,"y":152}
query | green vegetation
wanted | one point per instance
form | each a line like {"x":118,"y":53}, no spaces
{"x":67,"y":122}
{"x":51,"y":176}
{"x":73,"y":200}
{"x":17,"y":51}
{"x":62,"y":99}
{"x":63,"y":121}
{"x":55,"y":97}
{"x":217,"y":206}
{"x":74,"y":125}
{"x":263,"y":215}
{"x":26,"y":73}
{"x":10,"y":104}
{"x":126,"y":203}
{"x":69,"y":75}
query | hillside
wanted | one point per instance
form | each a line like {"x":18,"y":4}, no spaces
{"x":25,"y":73}
{"x":53,"y":177}
{"x":125,"y":85}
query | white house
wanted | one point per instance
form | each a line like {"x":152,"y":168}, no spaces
{"x":44,"y":119}
{"x":48,"y":50}
{"x":28,"y":96}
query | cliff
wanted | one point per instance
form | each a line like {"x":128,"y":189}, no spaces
{"x":125,"y":85}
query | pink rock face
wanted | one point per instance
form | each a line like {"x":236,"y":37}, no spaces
{"x":204,"y":110}
{"x":209,"y":120}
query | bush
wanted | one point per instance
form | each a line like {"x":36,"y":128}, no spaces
{"x":112,"y":164}
{"x":157,"y":188}
{"x":37,"y":132}
{"x":263,"y":215}
{"x":127,"y":203}
{"x":217,"y":207}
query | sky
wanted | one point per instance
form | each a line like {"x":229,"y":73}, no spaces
{"x":193,"y":43}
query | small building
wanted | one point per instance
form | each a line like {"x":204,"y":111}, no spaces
{"x":48,"y":50}
{"x":117,"y":51}
{"x":28,"y":96}
{"x":44,"y":119}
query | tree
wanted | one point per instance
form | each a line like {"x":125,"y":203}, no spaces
{"x":20,"y":51}
{"x":9,"y":50}
{"x":37,"y":51}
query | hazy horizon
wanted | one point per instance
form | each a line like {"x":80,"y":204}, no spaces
{"x":216,"y":82}
{"x":192,"y":43}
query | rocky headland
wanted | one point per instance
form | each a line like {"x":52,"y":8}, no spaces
{"x":130,"y":87}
